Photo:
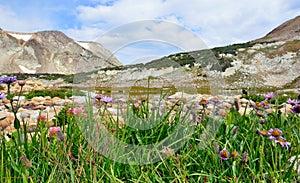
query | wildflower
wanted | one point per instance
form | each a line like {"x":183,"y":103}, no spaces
{"x":21,"y":82}
{"x":265,"y":104}
{"x":75,"y":111}
{"x":283,"y":143}
{"x":296,"y":108}
{"x":269,"y":96}
{"x":26,"y":162}
{"x":275,"y":132}
{"x":9,"y":80}
{"x":107,"y":99}
{"x":99,"y":96}
{"x":54,"y":130}
{"x":2,"y":96}
{"x":234,"y":154}
{"x":258,"y":106}
{"x":143,"y":99}
{"x":224,"y":154}
{"x":245,"y":157}
{"x":203,"y":102}
{"x":136,"y":105}
{"x":292,"y":101}
{"x":41,"y":117}
{"x":263,"y":132}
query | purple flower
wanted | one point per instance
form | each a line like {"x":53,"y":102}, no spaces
{"x":283,"y":143}
{"x":296,"y":108}
{"x":269,"y":96}
{"x":9,"y":79}
{"x":292,"y":101}
{"x":2,"y":95}
{"x":275,"y":132}
{"x":107,"y":99}
{"x":224,"y":154}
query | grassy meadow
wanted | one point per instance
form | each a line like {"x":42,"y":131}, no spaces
{"x":231,"y":147}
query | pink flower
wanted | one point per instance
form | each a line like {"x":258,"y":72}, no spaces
{"x":99,"y":96}
{"x":136,"y":105}
{"x":53,"y":130}
{"x":41,"y":117}
{"x":75,"y":111}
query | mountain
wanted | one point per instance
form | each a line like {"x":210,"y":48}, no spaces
{"x":287,"y":31}
{"x":50,"y":52}
{"x":272,"y":61}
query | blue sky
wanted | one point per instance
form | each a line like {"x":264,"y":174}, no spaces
{"x":215,"y":22}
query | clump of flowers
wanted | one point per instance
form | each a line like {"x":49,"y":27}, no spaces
{"x":275,"y":135}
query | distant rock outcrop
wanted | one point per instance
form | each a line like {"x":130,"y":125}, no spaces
{"x":50,"y":52}
{"x":269,"y":62}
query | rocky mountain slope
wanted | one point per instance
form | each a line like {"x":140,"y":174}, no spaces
{"x":272,"y":61}
{"x":50,"y":52}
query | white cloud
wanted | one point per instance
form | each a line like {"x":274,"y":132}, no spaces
{"x":219,"y":22}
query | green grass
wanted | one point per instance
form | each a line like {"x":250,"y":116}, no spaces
{"x":197,"y":160}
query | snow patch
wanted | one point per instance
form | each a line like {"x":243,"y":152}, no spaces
{"x":25,"y":70}
{"x":24,"y":37}
{"x":84,"y":45}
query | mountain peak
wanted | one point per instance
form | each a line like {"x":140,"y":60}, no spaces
{"x":288,"y":31}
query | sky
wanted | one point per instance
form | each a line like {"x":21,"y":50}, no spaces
{"x":141,"y":30}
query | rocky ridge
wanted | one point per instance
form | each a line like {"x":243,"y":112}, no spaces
{"x":50,"y":52}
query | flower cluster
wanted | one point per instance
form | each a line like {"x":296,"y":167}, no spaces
{"x":275,"y":135}
{"x":225,"y":154}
